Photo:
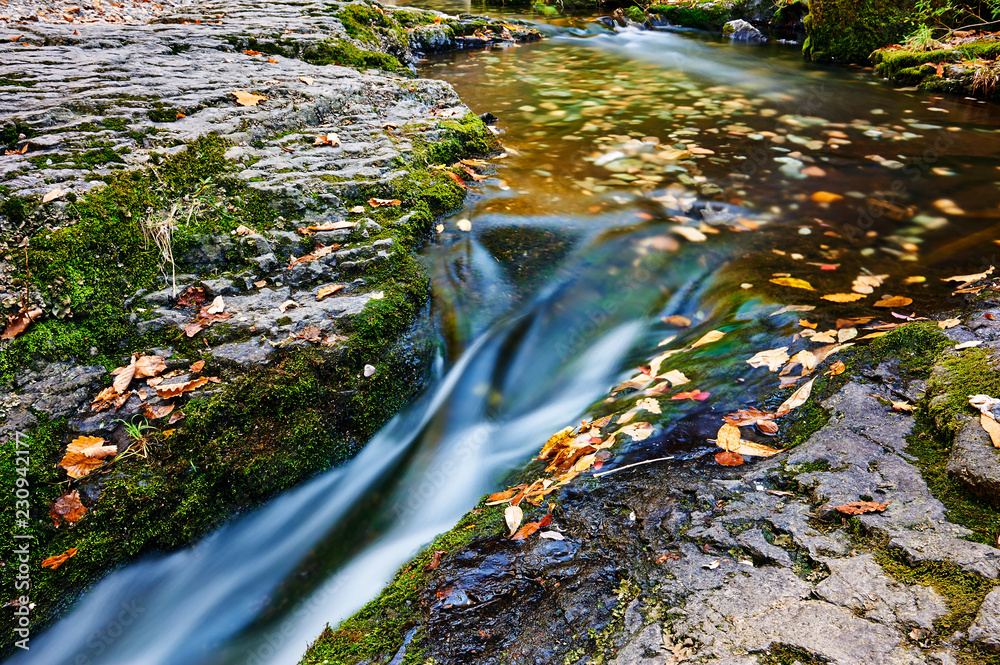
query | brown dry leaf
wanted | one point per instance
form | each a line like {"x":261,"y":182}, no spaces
{"x":308,"y":80}
{"x":317,"y":253}
{"x":435,"y":560}
{"x":175,"y":416}
{"x":68,"y":507}
{"x":948,"y":323}
{"x":218,"y":306}
{"x":894,"y":301}
{"x":52,"y":195}
{"x":861,"y":507}
{"x":331,"y":140}
{"x":123,"y":377}
{"x":902,"y":406}
{"x":532,"y":527}
{"x":193,"y":328}
{"x":20,"y":322}
{"x":327,"y":291}
{"x":54,"y":562}
{"x":968,"y":280}
{"x":244,"y":98}
{"x":84,"y":454}
{"x":457,"y":178}
{"x":837,"y":368}
{"x":773,"y":359}
{"x":992,"y":428}
{"x":797,"y":399}
{"x":104,"y":399}
{"x":708,"y":338}
{"x":157,"y":412}
{"x":844,"y":297}
{"x":378,"y":203}
{"x":171,"y":390}
{"x":753,"y":416}
{"x":196,"y":367}
{"x":727,"y":458}
{"x":793,"y":282}
{"x":149,"y":366}
{"x":328,"y":226}
{"x":677,"y":320}
{"x":252,"y":53}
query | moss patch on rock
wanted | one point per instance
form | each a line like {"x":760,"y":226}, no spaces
{"x":850,"y":30}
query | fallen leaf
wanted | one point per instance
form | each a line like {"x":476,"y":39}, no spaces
{"x":20,"y":322}
{"x":902,"y":406}
{"x":752,"y":416}
{"x":54,"y":562}
{"x":513,"y":515}
{"x":464,"y":225}
{"x":331,"y":140}
{"x":149,"y":366}
{"x":327,"y":291}
{"x":308,"y":80}
{"x":861,"y":507}
{"x":328,"y":226}
{"x":727,"y":458}
{"x":435,"y":560}
{"x":844,"y":297}
{"x":837,"y":368}
{"x":693,"y":394}
{"x":992,"y":427}
{"x":67,"y":507}
{"x":948,"y":323}
{"x":171,"y":390}
{"x":157,"y":412}
{"x":894,"y":301}
{"x":123,"y":377}
{"x":866,"y":283}
{"x":244,"y":98}
{"x":457,"y":178}
{"x":689,"y":233}
{"x":797,"y":399}
{"x":248,"y":52}
{"x":808,"y":324}
{"x":174,"y":417}
{"x":84,"y":454}
{"x":969,"y":280}
{"x":825,"y":197}
{"x":968,"y":345}
{"x":675,"y":377}
{"x":773,"y":359}
{"x":708,"y":338}
{"x":288,"y":304}
{"x":319,"y":252}
{"x":218,"y":306}
{"x":53,"y":194}
{"x":551,"y":535}
{"x":794,"y":308}
{"x":677,"y":320}
{"x":197,"y":367}
{"x":728,"y":437}
{"x":793,"y":282}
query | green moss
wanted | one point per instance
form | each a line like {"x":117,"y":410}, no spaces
{"x":914,"y":67}
{"x":339,"y":52}
{"x":784,"y":654}
{"x":116,"y":124}
{"x":850,"y":30}
{"x":971,"y":372}
{"x":407,"y":18}
{"x":700,"y":15}
{"x":377,"y":629}
{"x":636,"y":14}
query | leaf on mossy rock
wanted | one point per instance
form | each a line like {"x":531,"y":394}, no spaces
{"x":708,"y":338}
{"x":532,"y":527}
{"x":170,"y":390}
{"x":797,"y":399}
{"x":149,"y":366}
{"x":20,"y":322}
{"x":54,"y":562}
{"x":861,"y":507}
{"x":157,"y":412}
{"x":67,"y":507}
{"x":84,"y":454}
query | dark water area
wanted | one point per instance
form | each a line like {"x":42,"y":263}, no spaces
{"x":657,"y":186}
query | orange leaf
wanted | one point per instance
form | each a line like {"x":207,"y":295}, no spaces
{"x":157,"y":412}
{"x":197,"y":367}
{"x":861,"y":507}
{"x":244,"y":98}
{"x":328,"y":291}
{"x":844,"y":297}
{"x":68,"y":507}
{"x":147,"y":366}
{"x":457,"y":178}
{"x":693,"y":394}
{"x":727,"y":458}
{"x":174,"y":389}
{"x":54,"y":562}
{"x":377,"y":203}
{"x":895,"y":301}
{"x":20,"y":322}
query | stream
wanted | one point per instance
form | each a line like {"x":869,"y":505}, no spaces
{"x":650,"y":177}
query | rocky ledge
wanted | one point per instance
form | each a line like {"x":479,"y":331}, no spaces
{"x":230,"y":196}
{"x":681,"y":560}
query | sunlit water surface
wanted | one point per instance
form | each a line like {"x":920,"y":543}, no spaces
{"x":648,"y":175}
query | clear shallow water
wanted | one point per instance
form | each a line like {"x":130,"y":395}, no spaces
{"x":557,"y":293}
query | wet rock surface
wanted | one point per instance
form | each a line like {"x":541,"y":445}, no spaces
{"x":670,"y":562}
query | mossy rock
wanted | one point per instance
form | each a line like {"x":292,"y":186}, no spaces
{"x":850,"y":30}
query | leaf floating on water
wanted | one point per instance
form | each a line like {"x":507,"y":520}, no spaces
{"x":793,"y":282}
{"x":797,"y":399}
{"x":697,"y":395}
{"x":844,"y":297}
{"x":675,"y":377}
{"x":54,"y":562}
{"x":867,"y":283}
{"x":708,"y":338}
{"x":794,"y":308}
{"x":689,"y":233}
{"x":825,"y":197}
{"x":861,"y":507}
{"x":637,"y":431}
{"x":677,"y":320}
{"x":244,"y":98}
{"x":464,"y":225}
{"x":894,"y":301}
{"x":773,"y":359}
{"x":968,"y":280}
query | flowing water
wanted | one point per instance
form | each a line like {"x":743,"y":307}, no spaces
{"x":648,"y":175}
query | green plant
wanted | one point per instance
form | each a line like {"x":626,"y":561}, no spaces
{"x":140,"y":441}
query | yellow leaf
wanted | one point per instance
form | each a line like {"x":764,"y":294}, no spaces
{"x":708,"y":338}
{"x":728,"y":437}
{"x":948,"y":323}
{"x":328,"y":291}
{"x":797,"y":399}
{"x":895,"y":301}
{"x":772,"y":359}
{"x":694,"y":235}
{"x":867,"y":283}
{"x":793,"y":282}
{"x":244,"y":98}
{"x":844,"y":297}
{"x":826,"y":197}
{"x":675,"y":377}
{"x":837,"y":368}
{"x":968,"y":280}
